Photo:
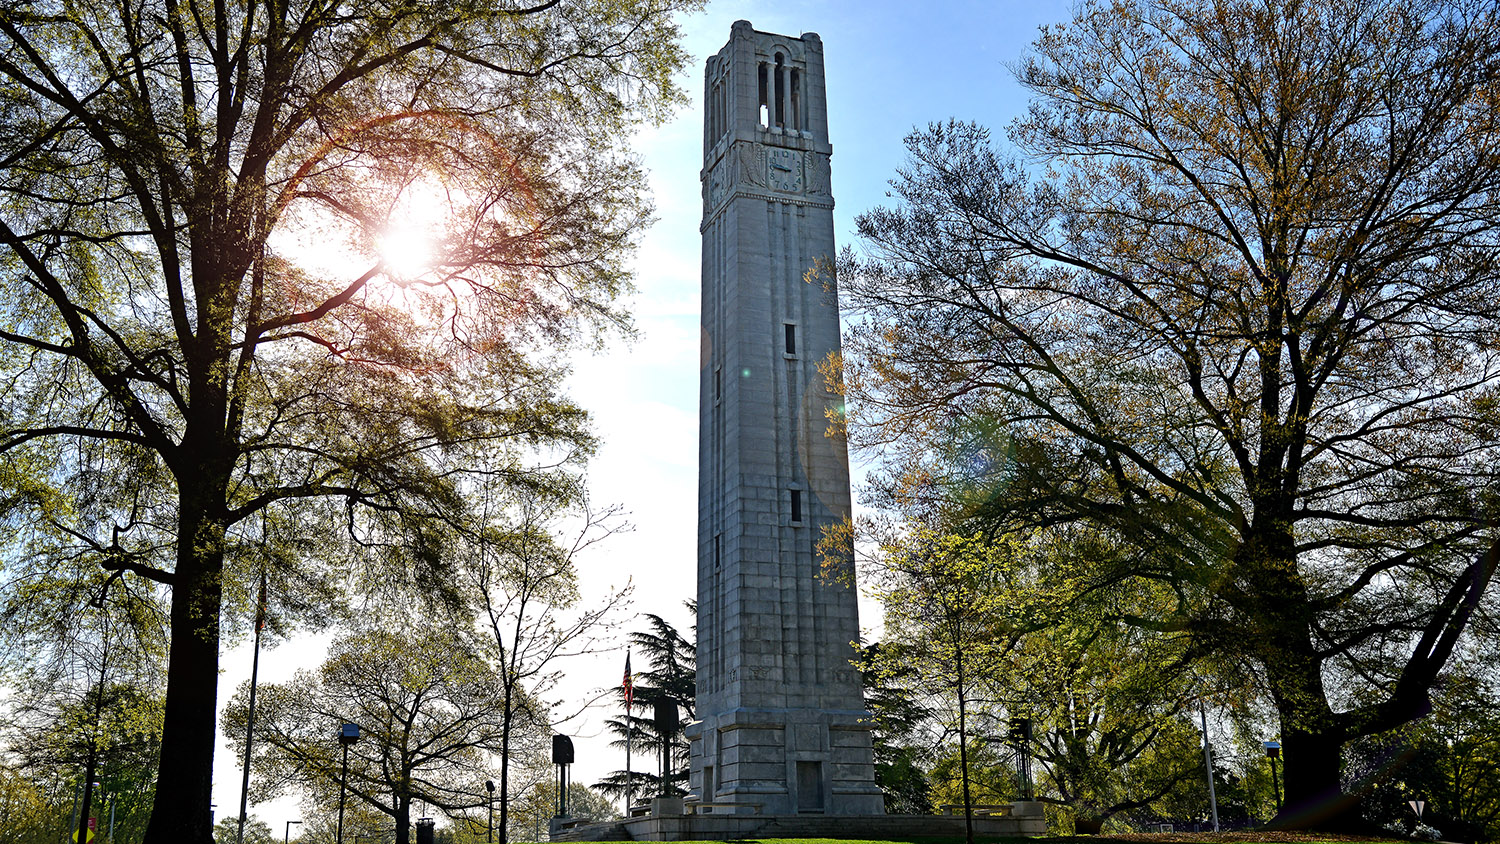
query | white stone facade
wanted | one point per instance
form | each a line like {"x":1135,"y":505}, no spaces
{"x":783,"y":725}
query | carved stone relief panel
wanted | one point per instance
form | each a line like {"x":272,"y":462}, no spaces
{"x":818,"y":175}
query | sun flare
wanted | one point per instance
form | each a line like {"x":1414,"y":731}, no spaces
{"x":407,"y":252}
{"x":412,"y":245}
{"x":409,"y":242}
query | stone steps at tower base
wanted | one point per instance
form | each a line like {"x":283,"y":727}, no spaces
{"x":727,"y":827}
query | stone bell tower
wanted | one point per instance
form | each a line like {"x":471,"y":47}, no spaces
{"x":783,"y":723}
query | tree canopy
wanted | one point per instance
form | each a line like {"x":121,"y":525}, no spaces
{"x":944,"y":629}
{"x":431,"y":718}
{"x":1230,"y":302}
{"x":524,"y":585}
{"x":281,"y":278}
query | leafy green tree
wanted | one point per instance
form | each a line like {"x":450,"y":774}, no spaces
{"x":991,"y":778}
{"x":671,"y":670}
{"x":257,"y":831}
{"x":944,"y":628}
{"x":429,"y":709}
{"x":87,"y":708}
{"x":26,"y":813}
{"x":362,"y":823}
{"x":1446,"y":760}
{"x":525,"y":583}
{"x":1229,"y":302}
{"x":119,"y":728}
{"x":1469,"y":808}
{"x":209,"y":214}
{"x":535,"y":811}
{"x":1109,"y":703}
{"x":1392,"y":769}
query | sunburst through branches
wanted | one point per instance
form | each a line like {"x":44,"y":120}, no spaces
{"x":427,"y":227}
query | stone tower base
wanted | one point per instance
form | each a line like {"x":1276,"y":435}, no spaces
{"x":784,"y":762}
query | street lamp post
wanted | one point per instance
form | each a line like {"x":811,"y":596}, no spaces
{"x":489,"y":785}
{"x":286,"y":839}
{"x":348,"y":734}
{"x":1273,"y":752}
{"x":260,"y":622}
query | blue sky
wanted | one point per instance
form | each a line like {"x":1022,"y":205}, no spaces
{"x":890,"y":66}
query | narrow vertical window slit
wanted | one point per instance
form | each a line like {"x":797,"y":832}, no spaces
{"x":780,"y":92}
{"x":796,"y":100}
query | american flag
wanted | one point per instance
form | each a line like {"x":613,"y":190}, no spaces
{"x":629,"y":686}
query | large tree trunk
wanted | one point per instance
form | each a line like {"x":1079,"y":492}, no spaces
{"x":403,"y":817}
{"x":1312,"y":744}
{"x":1280,"y":630}
{"x":1315,"y":797}
{"x":181,"y":811}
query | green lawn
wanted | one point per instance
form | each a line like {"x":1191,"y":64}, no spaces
{"x":1134,"y":838}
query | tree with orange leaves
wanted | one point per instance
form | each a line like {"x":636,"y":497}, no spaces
{"x":1233,"y":305}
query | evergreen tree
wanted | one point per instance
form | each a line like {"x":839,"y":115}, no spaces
{"x":670,"y":676}
{"x":902,"y":754}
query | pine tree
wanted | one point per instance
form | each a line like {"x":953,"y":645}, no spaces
{"x":671,"y":676}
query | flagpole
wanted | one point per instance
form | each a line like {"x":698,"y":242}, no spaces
{"x":629,"y":731}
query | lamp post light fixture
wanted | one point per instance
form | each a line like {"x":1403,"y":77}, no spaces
{"x":286,"y":839}
{"x":1273,"y":752}
{"x":489,"y":785}
{"x":348,"y":734}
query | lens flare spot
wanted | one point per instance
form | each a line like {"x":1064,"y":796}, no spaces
{"x":979,"y":454}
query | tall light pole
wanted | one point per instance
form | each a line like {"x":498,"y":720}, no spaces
{"x":260,"y":623}
{"x":286,"y":839}
{"x":1208,"y":762}
{"x":348,"y":734}
{"x":489,"y":785}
